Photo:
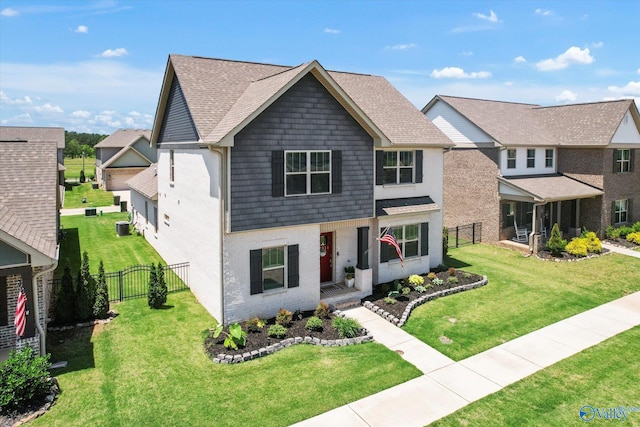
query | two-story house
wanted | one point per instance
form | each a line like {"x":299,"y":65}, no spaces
{"x":271,"y":179}
{"x":513,"y":163}
{"x":121,"y":156}
{"x":30,"y":194}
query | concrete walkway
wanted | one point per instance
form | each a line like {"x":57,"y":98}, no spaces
{"x":125,"y":196}
{"x":619,"y":250}
{"x":448,"y":386}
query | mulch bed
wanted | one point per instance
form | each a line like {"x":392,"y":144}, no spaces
{"x":397,"y":309}
{"x":566,"y":256}
{"x":33,"y":409}
{"x":260,"y":340}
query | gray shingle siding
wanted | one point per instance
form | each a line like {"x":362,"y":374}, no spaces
{"x":306,"y":117}
{"x":177,"y":124}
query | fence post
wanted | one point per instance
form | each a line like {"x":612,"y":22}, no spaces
{"x":121,"y":285}
{"x":457,"y":228}
{"x":473,"y":233}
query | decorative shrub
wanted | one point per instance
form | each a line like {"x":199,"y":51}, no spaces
{"x":441,"y":267}
{"x":284,"y":317}
{"x":445,"y":240}
{"x":389,"y":300}
{"x":420,"y":289}
{"x":24,"y":377}
{"x":625,"y":231}
{"x":594,"y":245}
{"x":255,"y":324}
{"x":396,"y":288}
{"x":437,"y":281}
{"x":346,"y":327}
{"x":86,"y":290}
{"x":66,"y":299}
{"x":406,"y":291}
{"x":634,"y":237}
{"x":322,"y":310}
{"x":101,"y":305}
{"x":612,"y":232}
{"x":452,"y":279}
{"x":277,"y":331}
{"x":451,"y":271}
{"x":556,"y":243}
{"x":235,"y":338}
{"x":431,"y":275}
{"x":157,"y":295}
{"x":314,"y":324}
{"x":466,"y":275}
{"x":636,"y":227}
{"x":416,"y":280}
{"x":577,"y":246}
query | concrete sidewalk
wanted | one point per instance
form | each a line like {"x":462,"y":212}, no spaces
{"x":125,"y":196}
{"x":448,"y":386}
{"x":620,"y":250}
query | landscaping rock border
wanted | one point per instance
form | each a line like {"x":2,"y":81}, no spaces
{"x":419,"y":301}
{"x":577,"y":259}
{"x":270,"y":349}
{"x":110,"y":316}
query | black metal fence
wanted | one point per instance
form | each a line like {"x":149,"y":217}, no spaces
{"x":463,"y":235}
{"x":133,"y":281}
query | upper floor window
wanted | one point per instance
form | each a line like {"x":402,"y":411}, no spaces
{"x":531,"y":158}
{"x":623,"y":161}
{"x":620,"y":211}
{"x":171,"y":167}
{"x":511,"y":158}
{"x":548,"y":158}
{"x":398,"y":167}
{"x":307,"y":172}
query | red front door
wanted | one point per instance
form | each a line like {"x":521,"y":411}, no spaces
{"x":326,"y":258}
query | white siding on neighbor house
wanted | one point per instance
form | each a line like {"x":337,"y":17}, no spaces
{"x":129,"y":159}
{"x":145,"y":226}
{"x":144,"y":147}
{"x":459,"y":129}
{"x":192,"y":231}
{"x":627,"y":132}
{"x":239,"y":304}
{"x":521,"y":162}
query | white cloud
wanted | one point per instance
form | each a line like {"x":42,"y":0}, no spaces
{"x":573,"y":55}
{"x":544,"y":12}
{"x":566,"y":96}
{"x":402,"y":46}
{"x":9,"y":12}
{"x":597,"y":45}
{"x":492,"y":17}
{"x":81,"y":114}
{"x":114,"y":53}
{"x":48,"y":108}
{"x":519,"y":59}
{"x":467,"y":53}
{"x":638,"y":70}
{"x":82,"y":29}
{"x":458,"y":73}
{"x":332,"y":31}
{"x":20,"y":119}
{"x":5,"y":99}
{"x":631,"y":88}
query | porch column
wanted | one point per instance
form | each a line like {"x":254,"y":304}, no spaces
{"x":363,"y":248}
{"x":578,"y":225}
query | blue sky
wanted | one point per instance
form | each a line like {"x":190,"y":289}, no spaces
{"x":96,"y":66}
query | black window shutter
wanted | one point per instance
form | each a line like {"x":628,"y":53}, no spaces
{"x":424,"y":239}
{"x":293,"y":266}
{"x":336,"y":172}
{"x":630,"y":210}
{"x":4,"y":310}
{"x":277,"y":173}
{"x":255,"y":268}
{"x":418,"y":166}
{"x":615,"y":161}
{"x":379,"y":167}
{"x":613,"y":212}
{"x":632,"y":153}
{"x":384,"y":254}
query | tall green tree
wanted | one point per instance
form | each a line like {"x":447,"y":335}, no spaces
{"x":157,"y":296}
{"x":65,"y":310}
{"x":101,"y":304}
{"x":85,"y":294}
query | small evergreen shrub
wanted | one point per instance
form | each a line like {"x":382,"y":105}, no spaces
{"x":389,"y":300}
{"x":556,"y":243}
{"x":625,"y":231}
{"x":284,"y":317}
{"x":612,"y":232}
{"x":452,"y":279}
{"x":466,"y":275}
{"x":65,"y":311}
{"x":395,"y":289}
{"x":406,"y":291}
{"x":416,"y":280}
{"x":445,"y":240}
{"x":346,"y":327}
{"x":314,"y":324}
{"x":577,"y":247}
{"x":634,"y":237}
{"x":277,"y":331}
{"x":101,"y":305}
{"x":322,"y":310}
{"x":437,"y":281}
{"x":431,"y":275}
{"x":255,"y":324}
{"x":157,"y":295}
{"x":420,"y":289}
{"x":86,"y":290}
{"x":24,"y":377}
{"x":636,"y":227}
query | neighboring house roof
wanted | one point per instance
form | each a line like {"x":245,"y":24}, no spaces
{"x":551,"y":188}
{"x":514,"y":124}
{"x":18,"y":133}
{"x":123,"y":138}
{"x":28,"y":194}
{"x":223,"y":96}
{"x":146,"y":182}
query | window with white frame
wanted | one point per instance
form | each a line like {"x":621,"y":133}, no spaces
{"x":307,"y":172}
{"x":511,"y":158}
{"x":408,"y":239}
{"x":273,"y":268}
{"x":548,"y":158}
{"x":620,"y":211}
{"x":531,"y":158}
{"x":171,"y":167}
{"x":623,"y":161}
{"x":398,"y":167}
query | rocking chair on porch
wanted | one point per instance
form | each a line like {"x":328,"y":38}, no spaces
{"x":522,"y":234}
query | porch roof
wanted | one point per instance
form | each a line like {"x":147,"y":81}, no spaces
{"x":405,"y":205}
{"x":547,"y":188}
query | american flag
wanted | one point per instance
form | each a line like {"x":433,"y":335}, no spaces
{"x":390,"y":238}
{"x":21,"y":318}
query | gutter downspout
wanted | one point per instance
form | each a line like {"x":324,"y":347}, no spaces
{"x":35,"y":299}
{"x":223,"y":195}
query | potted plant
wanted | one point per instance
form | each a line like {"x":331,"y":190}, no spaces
{"x":349,"y":275}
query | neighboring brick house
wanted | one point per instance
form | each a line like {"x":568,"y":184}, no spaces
{"x":122,"y":155}
{"x":571,"y":164}
{"x":29,"y":208}
{"x":271,"y":179}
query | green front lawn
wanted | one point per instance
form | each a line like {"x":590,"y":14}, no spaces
{"x":603,"y":377}
{"x":523,"y":295}
{"x":74,"y":193}
{"x":148,"y":368}
{"x":97,"y":235}
{"x":74,"y":166}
